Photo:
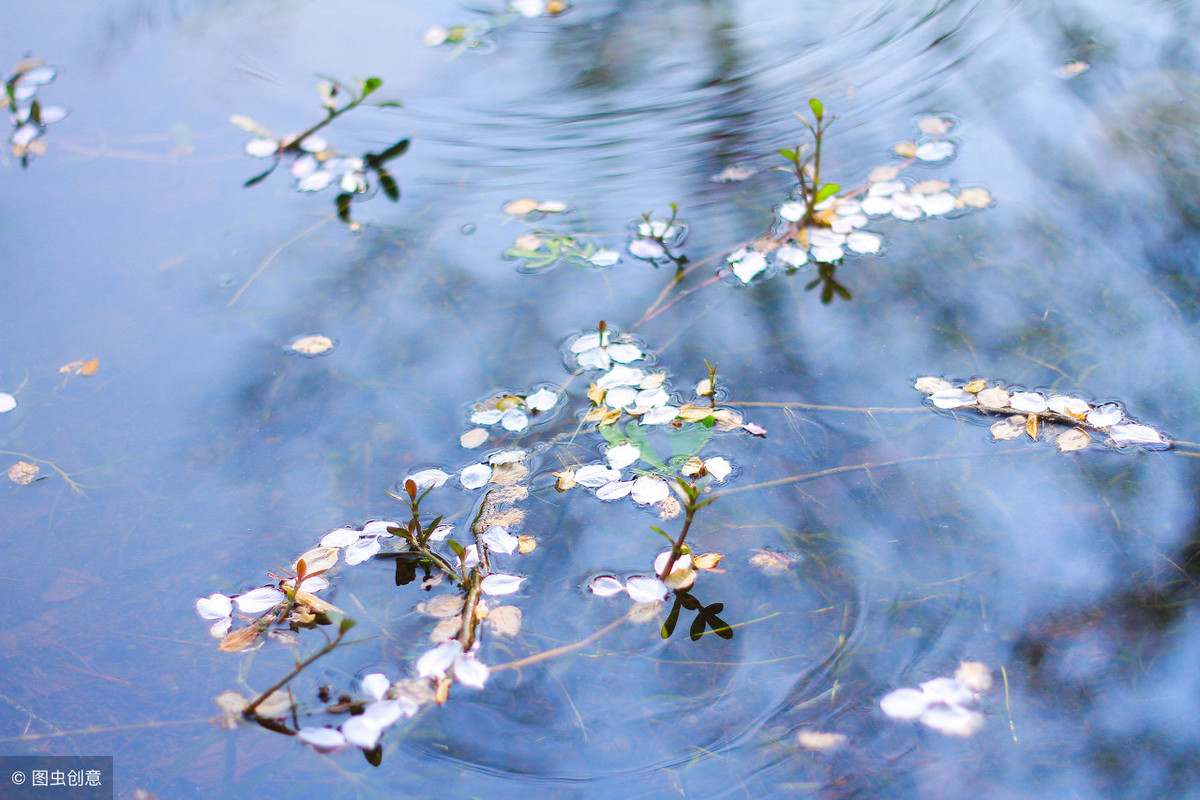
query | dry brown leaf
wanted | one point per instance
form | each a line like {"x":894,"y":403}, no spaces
{"x":231,"y":702}
{"x":691,"y":413}
{"x":276,"y":704}
{"x":520,"y":207}
{"x":975,"y":387}
{"x":443,"y":691}
{"x":505,"y":518}
{"x":669,"y":508}
{"x":1072,"y":440}
{"x":881,"y":174}
{"x":727,"y":419}
{"x":90,"y":367}
{"x":526,"y":544}
{"x":769,"y":562}
{"x":473,"y":438}
{"x":317,"y":560}
{"x":241,"y":639}
{"x":446,"y":630}
{"x":820,"y":740}
{"x":994,"y":398}
{"x":23,"y":473}
{"x":1031,"y":426}
{"x":316,"y":604}
{"x":934,"y":126}
{"x":707,"y":560}
{"x":692,"y":466}
{"x":975,"y":198}
{"x":597,"y":415}
{"x":504,"y":621}
{"x":441,"y":606}
{"x":929,"y":187}
{"x":1007,"y":428}
{"x":508,"y":474}
{"x":596,"y":395}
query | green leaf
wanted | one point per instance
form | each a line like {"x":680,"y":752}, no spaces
{"x":720,"y":627}
{"x":374,"y":756}
{"x":638,"y":436}
{"x":346,"y":624}
{"x":263,"y":176}
{"x":790,"y":155}
{"x":513,"y":252}
{"x":389,"y":104}
{"x":458,"y":549}
{"x":390,"y":187}
{"x":668,"y":626}
{"x":395,"y":151}
{"x":663,"y":534}
{"x":689,"y":441}
{"x":826,"y":191}
{"x":370,"y":85}
{"x":613,"y":433}
{"x":817,"y":109}
{"x":343,"y":206}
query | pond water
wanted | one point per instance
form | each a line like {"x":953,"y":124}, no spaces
{"x":871,"y":542}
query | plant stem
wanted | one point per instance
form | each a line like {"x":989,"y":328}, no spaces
{"x":248,"y":711}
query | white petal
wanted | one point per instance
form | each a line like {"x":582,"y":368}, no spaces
{"x":650,"y":398}
{"x":470,"y":557}
{"x":215,"y":606}
{"x":474,"y":476}
{"x":1124,"y":434}
{"x":376,"y":685}
{"x":220,"y":628}
{"x":51,"y":114}
{"x":323,"y":739}
{"x":1068,"y":406}
{"x":385,"y":713}
{"x":953,"y":720}
{"x":952,"y":398}
{"x":529,"y":8}
{"x":1028,"y":402}
{"x":340,"y":538}
{"x":937,"y":204}
{"x":660,"y":416}
{"x":605,"y":257}
{"x":25,"y":134}
{"x":596,"y":358}
{"x":905,"y":703}
{"x":622,"y":455}
{"x":656,"y":228}
{"x":379,"y":527}
{"x":542,"y":400}
{"x":313,"y":144}
{"x":718,"y":467}
{"x":823,"y":237}
{"x":499,"y":540}
{"x":487,"y":416}
{"x":614,"y":491}
{"x":827,"y":255}
{"x":315,"y":182}
{"x":514,"y":419}
{"x":262,"y":148}
{"x":590,"y":341}
{"x":646,"y":249}
{"x":605,"y":586}
{"x":434,"y":663}
{"x":498,"y":584}
{"x":792,"y":212}
{"x":353,"y":182}
{"x":259,"y":600}
{"x":884,"y":189}
{"x":362,"y":550}
{"x":361,"y":732}
{"x":864,"y":242}
{"x":935,"y":151}
{"x":507,"y":456}
{"x":594,"y":476}
{"x":304,"y":166}
{"x":648,"y":490}
{"x":791,"y":255}
{"x":877,"y":205}
{"x":7,"y":402}
{"x":620,"y":375}
{"x":848,"y":223}
{"x":624,"y":352}
{"x":906,"y":213}
{"x":620,"y":397}
{"x":1105,"y":415}
{"x":38,"y":76}
{"x":314,"y":583}
{"x":749,"y":267}
{"x":660,"y":562}
{"x":470,"y":671}
{"x":947,"y":690}
{"x":429,"y":479}
{"x":646,"y":590}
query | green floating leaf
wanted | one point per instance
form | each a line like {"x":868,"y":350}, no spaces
{"x":390,"y":187}
{"x":817,"y":108}
{"x":263,"y":176}
{"x":395,"y":151}
{"x":826,"y":191}
{"x":370,"y":85}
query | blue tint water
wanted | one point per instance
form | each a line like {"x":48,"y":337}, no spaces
{"x":206,"y":456}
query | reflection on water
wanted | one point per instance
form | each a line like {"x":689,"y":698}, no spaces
{"x":870,"y":543}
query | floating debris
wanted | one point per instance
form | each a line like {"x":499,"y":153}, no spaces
{"x":1071,"y":421}
{"x":29,"y":116}
{"x":944,"y":704}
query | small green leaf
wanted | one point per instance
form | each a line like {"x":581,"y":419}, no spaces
{"x":343,"y":206}
{"x":389,"y":104}
{"x":827,"y":190}
{"x":458,"y":549}
{"x":390,"y":187}
{"x":817,"y":109}
{"x":374,"y":756}
{"x":790,"y":155}
{"x":370,"y":85}
{"x":263,"y":176}
{"x":668,"y":626}
{"x":346,"y":624}
{"x":394,"y":151}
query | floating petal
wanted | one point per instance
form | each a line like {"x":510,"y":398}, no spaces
{"x":953,"y":720}
{"x":648,"y":490}
{"x":470,"y":671}
{"x":1105,"y":415}
{"x":905,"y":703}
{"x":514,"y":420}
{"x":605,"y":586}
{"x":864,"y":242}
{"x":341,"y":537}
{"x":594,"y":476}
{"x":614,"y":491}
{"x":376,"y":685}
{"x":660,"y":416}
{"x":322,"y":739}
{"x":499,"y":540}
{"x":646,"y":590}
{"x":498,"y":584}
{"x":624,"y":352}
{"x":952,"y":398}
{"x":259,"y":600}
{"x":1126,"y":434}
{"x":749,"y":266}
{"x":1029,"y":402}
{"x":429,"y":478}
{"x":474,"y":476}
{"x":434,"y":663}
{"x":261,"y":148}
{"x":718,"y":467}
{"x":935,"y":151}
{"x":622,"y":455}
{"x":362,"y":550}
{"x":791,"y":256}
{"x":215,"y":606}
{"x":542,"y":400}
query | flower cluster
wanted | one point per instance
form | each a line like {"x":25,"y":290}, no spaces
{"x":1032,"y":412}
{"x":29,"y":117}
{"x":363,"y":730}
{"x":476,"y":37}
{"x":512,"y":412}
{"x":944,"y":704}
